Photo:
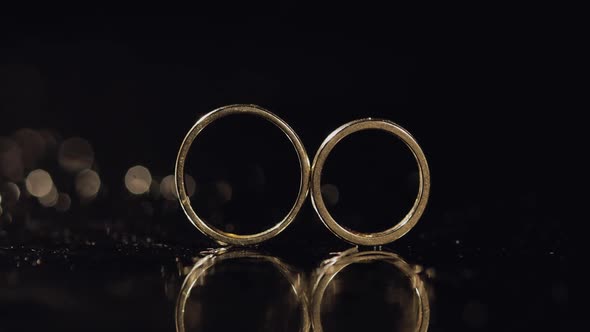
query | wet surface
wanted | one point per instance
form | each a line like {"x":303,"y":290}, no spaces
{"x":138,"y":287}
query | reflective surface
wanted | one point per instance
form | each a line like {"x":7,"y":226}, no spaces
{"x":216,"y":290}
{"x":158,"y":287}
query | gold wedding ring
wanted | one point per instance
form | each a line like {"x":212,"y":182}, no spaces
{"x":411,"y":218}
{"x":226,"y":237}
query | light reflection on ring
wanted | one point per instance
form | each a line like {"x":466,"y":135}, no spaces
{"x":206,"y":265}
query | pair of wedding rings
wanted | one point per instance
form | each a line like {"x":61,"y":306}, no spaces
{"x":311,"y":175}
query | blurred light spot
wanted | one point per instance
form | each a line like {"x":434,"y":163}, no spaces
{"x":138,"y":180}
{"x":75,"y":154}
{"x":87,"y":183}
{"x":224,"y":190}
{"x":168,"y":187}
{"x":32,"y":145}
{"x":63,"y":202}
{"x":10,"y":193}
{"x":11,"y":162}
{"x":475,"y":314}
{"x":430,"y":273}
{"x":49,"y":138}
{"x":50,"y":199}
{"x":190,"y":184}
{"x":39,"y":183}
{"x":330,"y":194}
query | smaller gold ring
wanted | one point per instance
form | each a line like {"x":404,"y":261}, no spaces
{"x":231,"y":238}
{"x":411,"y":218}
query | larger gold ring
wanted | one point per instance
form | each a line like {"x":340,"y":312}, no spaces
{"x":231,"y":238}
{"x":402,"y":227}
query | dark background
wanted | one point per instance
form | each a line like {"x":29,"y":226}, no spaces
{"x":478,"y":98}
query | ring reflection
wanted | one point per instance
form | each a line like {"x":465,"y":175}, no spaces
{"x":242,"y":290}
{"x":367,"y":291}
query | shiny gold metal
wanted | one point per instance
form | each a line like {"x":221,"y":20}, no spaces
{"x":402,"y":227}
{"x":231,"y":238}
{"x":203,"y":265}
{"x":329,"y":268}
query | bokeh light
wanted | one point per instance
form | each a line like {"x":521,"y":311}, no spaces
{"x":32,"y":146}
{"x":138,"y":180}
{"x":168,"y":187}
{"x":63,"y":202}
{"x":50,"y":139}
{"x":10,"y":193}
{"x":39,"y":183}
{"x":87,"y":184}
{"x":75,"y":154}
{"x":191,"y":185}
{"x":330,"y":194}
{"x":50,"y":199}
{"x":11,"y":162}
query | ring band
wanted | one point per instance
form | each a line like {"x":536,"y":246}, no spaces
{"x":231,"y":238}
{"x":402,"y":227}
{"x":328,"y":270}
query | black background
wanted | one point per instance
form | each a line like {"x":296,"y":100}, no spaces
{"x":479,"y":97}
